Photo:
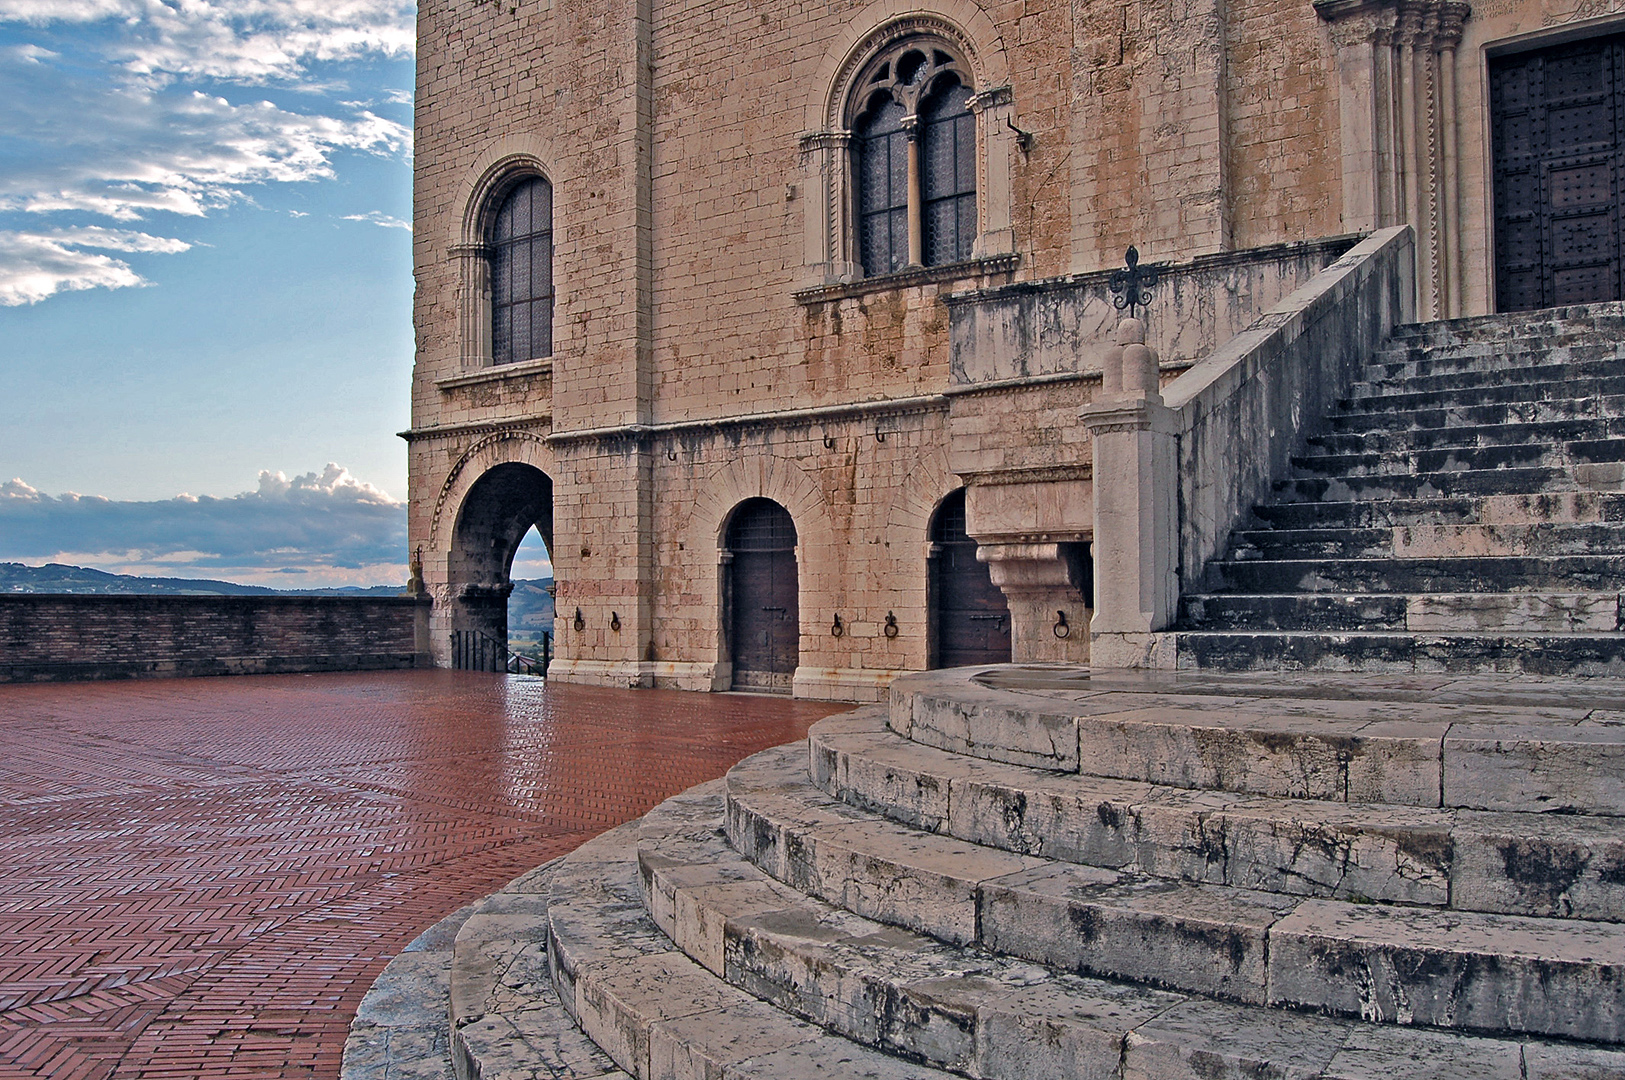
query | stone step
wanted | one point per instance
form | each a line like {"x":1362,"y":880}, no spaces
{"x":1494,"y":973}
{"x":1436,"y":613}
{"x":1402,"y":652}
{"x":1562,"y":866}
{"x":1438,"y":438}
{"x":1540,"y":508}
{"x":1515,"y":411}
{"x":1557,"y":455}
{"x":1587,"y":350}
{"x":1539,"y":372}
{"x":1473,"y":573}
{"x":1602,"y":478}
{"x":1400,"y":399}
{"x":980,"y":1014}
{"x":1560,"y":750}
{"x":1428,"y":541}
{"x":656,"y":1012}
{"x":1606,"y":319}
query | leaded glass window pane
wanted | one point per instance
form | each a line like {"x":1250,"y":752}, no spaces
{"x":522,"y":274}
{"x":882,"y":176}
{"x":948,"y":175}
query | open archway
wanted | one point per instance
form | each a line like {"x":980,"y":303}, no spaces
{"x":762,"y":598}
{"x":970,"y":618}
{"x":501,"y":507}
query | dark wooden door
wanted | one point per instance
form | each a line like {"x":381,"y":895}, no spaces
{"x":766,"y":631}
{"x":1558,"y":119}
{"x":972,"y":619}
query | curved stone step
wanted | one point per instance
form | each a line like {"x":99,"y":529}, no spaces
{"x":1541,"y":753}
{"x":1416,"y":613}
{"x":1554,"y":866}
{"x":1493,"y":973}
{"x":658,"y":1013}
{"x":1404,"y":652}
{"x":987,"y":1016}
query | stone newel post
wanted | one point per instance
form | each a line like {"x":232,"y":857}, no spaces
{"x":1136,"y":583}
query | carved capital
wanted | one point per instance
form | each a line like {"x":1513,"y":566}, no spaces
{"x":990,"y":98}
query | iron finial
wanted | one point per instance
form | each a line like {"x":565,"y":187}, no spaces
{"x":1131,"y":286}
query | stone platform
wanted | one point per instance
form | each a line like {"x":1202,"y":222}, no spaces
{"x":1033,"y":872}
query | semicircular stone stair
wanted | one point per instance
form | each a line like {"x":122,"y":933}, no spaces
{"x":1464,"y":509}
{"x":1033,"y":873}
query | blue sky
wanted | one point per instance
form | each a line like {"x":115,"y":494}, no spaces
{"x":205,"y":286}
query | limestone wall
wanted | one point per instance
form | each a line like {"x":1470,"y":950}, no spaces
{"x":46,"y":637}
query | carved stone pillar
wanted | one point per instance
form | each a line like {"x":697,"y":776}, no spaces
{"x":1136,"y":509}
{"x":1396,"y":89}
{"x":996,"y":135}
{"x":827,"y":169}
{"x":473,"y":304}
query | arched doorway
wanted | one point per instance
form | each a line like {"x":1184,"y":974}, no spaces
{"x":501,"y":507}
{"x":764,"y":611}
{"x":970,"y":619}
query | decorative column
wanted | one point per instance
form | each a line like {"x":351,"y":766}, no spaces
{"x":996,"y":131}
{"x":827,"y":171}
{"x":473,"y":304}
{"x":1396,"y":89}
{"x":1136,"y":509}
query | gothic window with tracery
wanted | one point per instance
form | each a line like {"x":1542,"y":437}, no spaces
{"x":914,"y":158}
{"x":521,"y":247}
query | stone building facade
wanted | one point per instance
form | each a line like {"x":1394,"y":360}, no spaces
{"x":847,"y":264}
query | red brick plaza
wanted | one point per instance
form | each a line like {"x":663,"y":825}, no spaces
{"x":202,"y":877}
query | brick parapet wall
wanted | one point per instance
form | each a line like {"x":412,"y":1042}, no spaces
{"x":58,"y":637}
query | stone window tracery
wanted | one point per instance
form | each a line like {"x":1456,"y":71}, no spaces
{"x":913,"y":142}
{"x":910,"y":165}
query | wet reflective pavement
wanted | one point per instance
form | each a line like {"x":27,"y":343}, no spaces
{"x":202,"y":877}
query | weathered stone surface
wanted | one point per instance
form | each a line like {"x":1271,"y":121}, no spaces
{"x":1506,"y":767}
{"x":1210,"y":1040}
{"x":1378,"y":1053}
{"x":1557,"y":865}
{"x":1548,"y":1061}
{"x":1489,"y":972}
{"x":701,"y":1046}
{"x":1196,"y":938}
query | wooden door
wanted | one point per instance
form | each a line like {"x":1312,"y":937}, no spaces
{"x":972,"y":618}
{"x":1558,"y":131}
{"x":765,"y":635}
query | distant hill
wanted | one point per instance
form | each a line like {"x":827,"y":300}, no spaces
{"x":60,"y":578}
{"x":530,"y":612}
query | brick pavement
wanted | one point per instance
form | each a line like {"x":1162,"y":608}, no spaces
{"x":201,"y":877}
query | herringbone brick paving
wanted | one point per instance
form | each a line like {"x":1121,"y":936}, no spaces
{"x":201,"y":877}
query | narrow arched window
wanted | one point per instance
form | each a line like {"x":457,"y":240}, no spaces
{"x":914,"y":158}
{"x":521,"y":243}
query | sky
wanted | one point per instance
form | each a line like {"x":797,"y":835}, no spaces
{"x":205,"y":287}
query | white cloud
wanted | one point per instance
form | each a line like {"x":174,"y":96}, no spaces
{"x":378,"y":217}
{"x":310,"y":530}
{"x":37,"y":265}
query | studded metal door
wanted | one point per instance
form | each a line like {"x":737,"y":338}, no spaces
{"x":766,"y":618}
{"x":1558,"y":119}
{"x":972,"y":616}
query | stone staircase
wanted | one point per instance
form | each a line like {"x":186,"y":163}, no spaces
{"x":1464,"y":511}
{"x":1025,"y":873}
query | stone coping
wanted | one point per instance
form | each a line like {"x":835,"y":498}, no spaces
{"x":1513,"y":744}
{"x":1549,"y":865}
{"x":1406,"y":965}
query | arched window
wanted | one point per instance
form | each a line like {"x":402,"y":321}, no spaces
{"x":521,"y":247}
{"x":914,"y":158}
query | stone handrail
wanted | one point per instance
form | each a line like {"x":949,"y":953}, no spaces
{"x":1175,"y":474}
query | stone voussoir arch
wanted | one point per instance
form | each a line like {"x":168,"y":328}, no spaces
{"x":496,"y":166}
{"x":766,"y":477}
{"x":484,"y":454}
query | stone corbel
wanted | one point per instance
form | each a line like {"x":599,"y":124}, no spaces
{"x":1046,"y":585}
